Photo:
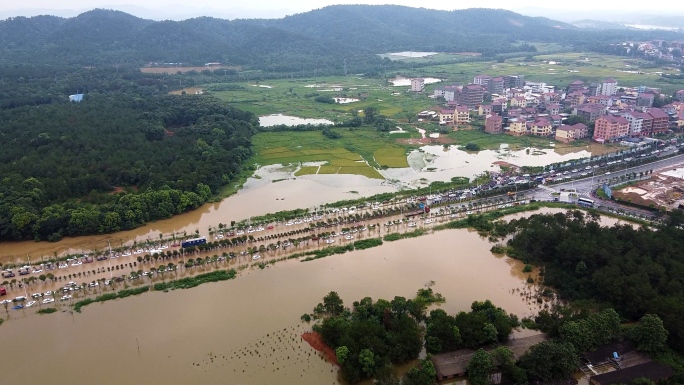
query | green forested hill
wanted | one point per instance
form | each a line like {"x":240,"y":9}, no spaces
{"x":62,"y":162}
{"x":355,"y":32}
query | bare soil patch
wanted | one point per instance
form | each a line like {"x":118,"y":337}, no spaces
{"x":173,"y":70}
{"x":316,"y":341}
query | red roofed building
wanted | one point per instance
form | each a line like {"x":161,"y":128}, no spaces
{"x":608,"y":128}
{"x":470,"y":95}
{"x":461,"y":115}
{"x":609,"y":87}
{"x":679,"y":95}
{"x":660,"y":120}
{"x":575,"y":86}
{"x":493,"y":124}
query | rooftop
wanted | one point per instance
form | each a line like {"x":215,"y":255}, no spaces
{"x":651,"y":370}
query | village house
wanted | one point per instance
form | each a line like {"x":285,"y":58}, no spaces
{"x":417,"y":85}
{"x":553,"y":109}
{"x":517,"y":127}
{"x":608,"y":128}
{"x":518,"y":101}
{"x":680,"y":119}
{"x":446,"y":116}
{"x":493,"y":124}
{"x":679,"y":95}
{"x":590,"y":112}
{"x":461,"y":115}
{"x":568,"y":133}
{"x":484,"y":109}
{"x":609,"y":87}
{"x":574,"y":99}
{"x":575,"y":86}
{"x":660,"y":121}
{"x":540,"y":127}
{"x":636,"y":122}
{"x":645,"y":99}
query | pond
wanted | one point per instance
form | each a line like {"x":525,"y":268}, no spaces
{"x":278,"y":119}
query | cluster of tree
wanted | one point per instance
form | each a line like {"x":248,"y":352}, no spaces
{"x":371,"y":336}
{"x":637,"y":271}
{"x":166,"y":154}
{"x":485,"y":324}
{"x":330,"y":134}
{"x":325,"y":99}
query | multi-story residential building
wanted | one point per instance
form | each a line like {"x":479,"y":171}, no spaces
{"x":574,"y":98}
{"x":417,"y":85}
{"x":446,"y":92}
{"x":470,"y":95}
{"x":540,"y":127}
{"x":493,"y":124}
{"x":575,"y":86}
{"x":482,"y":80}
{"x":609,"y":87}
{"x":594,"y":89}
{"x":680,"y":119}
{"x":608,"y":128}
{"x":660,"y":120}
{"x":645,"y":99}
{"x":496,"y":85}
{"x":484,"y":109}
{"x":518,"y":101}
{"x":553,"y":109}
{"x":679,"y":95}
{"x":461,"y":115}
{"x":446,"y":116}
{"x":636,"y":122}
{"x":590,"y":112}
{"x":566,"y":133}
{"x":499,"y":105}
{"x":514,"y":81}
{"x":517,"y":127}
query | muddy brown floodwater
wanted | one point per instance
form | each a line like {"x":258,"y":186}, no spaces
{"x":258,"y":197}
{"x":247,"y":331}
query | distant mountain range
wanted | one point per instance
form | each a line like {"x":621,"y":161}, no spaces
{"x":321,"y":36}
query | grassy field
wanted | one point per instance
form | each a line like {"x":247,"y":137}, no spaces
{"x":356,"y":152}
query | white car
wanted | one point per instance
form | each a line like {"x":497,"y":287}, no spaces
{"x":36,"y":295}
{"x":48,"y":300}
{"x":329,"y":241}
{"x":66,"y":297}
{"x":49,"y":292}
{"x":428,"y":221}
{"x":289,"y":223}
{"x":255,"y":257}
{"x":31,"y":303}
{"x":469,"y":213}
{"x":412,"y":224}
{"x":36,"y":271}
{"x":77,"y":263}
{"x":5,"y":301}
{"x":349,"y":237}
{"x":63,"y":266}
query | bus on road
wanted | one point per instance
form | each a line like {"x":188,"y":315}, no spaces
{"x":584,"y":202}
{"x":194,"y":242}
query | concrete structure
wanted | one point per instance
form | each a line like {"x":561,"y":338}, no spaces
{"x":482,"y":80}
{"x":609,"y":87}
{"x":496,"y":85}
{"x":493,"y":124}
{"x":594,"y":89}
{"x":417,"y":85}
{"x":609,"y":128}
{"x":574,"y":98}
{"x":484,"y":109}
{"x":446,"y":116}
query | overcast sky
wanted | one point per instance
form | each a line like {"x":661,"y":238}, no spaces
{"x":179,"y":9}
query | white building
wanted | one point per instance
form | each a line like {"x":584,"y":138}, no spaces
{"x":635,"y":123}
{"x":609,"y":87}
{"x":417,"y":85}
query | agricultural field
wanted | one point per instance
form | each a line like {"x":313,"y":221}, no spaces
{"x":569,"y":66}
{"x":357,"y":152}
{"x":297,"y":97}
